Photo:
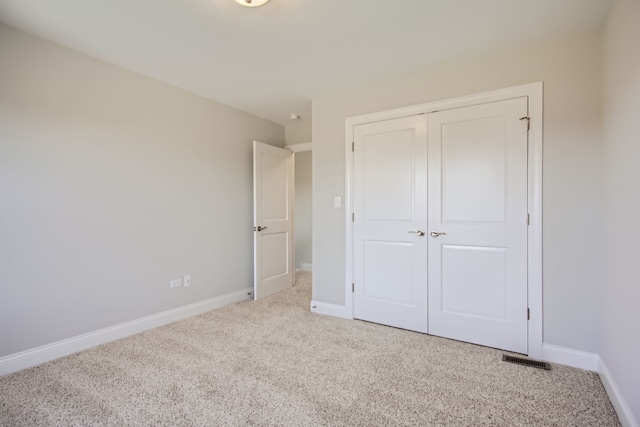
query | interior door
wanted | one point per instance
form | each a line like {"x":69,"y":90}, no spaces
{"x":273,"y":219}
{"x":390,"y":213}
{"x":478,"y":224}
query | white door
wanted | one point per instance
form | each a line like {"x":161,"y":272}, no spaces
{"x":478,"y":197}
{"x":273,"y":219}
{"x":390,"y":216}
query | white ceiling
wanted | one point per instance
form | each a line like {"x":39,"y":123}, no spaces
{"x":272,"y":60}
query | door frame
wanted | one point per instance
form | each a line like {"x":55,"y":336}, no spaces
{"x":534,"y":92}
{"x":299,"y":148}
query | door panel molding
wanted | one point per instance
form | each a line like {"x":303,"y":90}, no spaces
{"x":534,"y":93}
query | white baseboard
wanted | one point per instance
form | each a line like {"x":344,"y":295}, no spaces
{"x":627,"y":419}
{"x":570,"y":357}
{"x":306,"y":266}
{"x":593,"y":362}
{"x":330,"y":309}
{"x":45,"y":353}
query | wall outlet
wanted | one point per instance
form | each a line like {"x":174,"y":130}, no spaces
{"x":175,"y":283}
{"x":187,"y":280}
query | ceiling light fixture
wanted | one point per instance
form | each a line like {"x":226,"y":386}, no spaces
{"x":252,"y":3}
{"x":294,"y":116}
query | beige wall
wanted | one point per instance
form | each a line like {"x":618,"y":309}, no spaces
{"x":112,"y":184}
{"x":298,"y":131}
{"x":572,"y":212}
{"x":621,"y":343}
{"x":303,"y":208}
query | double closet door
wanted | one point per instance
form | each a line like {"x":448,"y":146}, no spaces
{"x":440,"y":223}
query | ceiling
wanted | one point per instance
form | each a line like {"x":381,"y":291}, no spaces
{"x":272,"y":60}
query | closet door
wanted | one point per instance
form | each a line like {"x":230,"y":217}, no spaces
{"x":478,"y":224}
{"x":390,"y":222}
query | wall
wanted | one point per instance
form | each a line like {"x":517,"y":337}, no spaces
{"x":572,"y":212}
{"x":298,"y":131}
{"x":112,"y":184}
{"x":303,"y":208}
{"x":621,"y":345}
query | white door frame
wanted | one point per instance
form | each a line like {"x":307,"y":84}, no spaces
{"x":534,"y":93}
{"x":298,"y":148}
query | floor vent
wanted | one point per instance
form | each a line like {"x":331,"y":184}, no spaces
{"x":526,"y":362}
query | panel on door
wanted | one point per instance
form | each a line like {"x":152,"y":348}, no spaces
{"x":390,"y":207}
{"x":273,"y":219}
{"x":478,"y":224}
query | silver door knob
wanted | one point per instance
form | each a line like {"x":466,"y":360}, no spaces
{"x":419,"y":233}
{"x":437,"y":233}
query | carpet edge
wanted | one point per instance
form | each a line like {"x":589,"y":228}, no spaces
{"x":627,"y":419}
{"x":35,"y":356}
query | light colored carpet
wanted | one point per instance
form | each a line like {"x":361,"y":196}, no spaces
{"x":273,"y":362}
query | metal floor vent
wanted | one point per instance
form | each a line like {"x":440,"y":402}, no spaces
{"x":526,"y":362}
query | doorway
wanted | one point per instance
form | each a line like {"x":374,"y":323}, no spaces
{"x":282,"y":215}
{"x":303,"y":157}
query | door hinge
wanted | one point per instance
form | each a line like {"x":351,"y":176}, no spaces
{"x":528,"y":314}
{"x":528,"y":119}
{"x":353,"y":217}
{"x":353,"y":146}
{"x":528,"y":219}
{"x":353,"y":287}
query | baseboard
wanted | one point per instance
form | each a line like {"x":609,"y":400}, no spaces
{"x":570,"y":357}
{"x":627,"y":419}
{"x":45,"y":353}
{"x":330,"y":309}
{"x":306,"y":266}
{"x":593,"y":362}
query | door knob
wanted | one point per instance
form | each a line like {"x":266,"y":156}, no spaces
{"x":261,"y":228}
{"x":419,"y":233}
{"x":437,"y":233}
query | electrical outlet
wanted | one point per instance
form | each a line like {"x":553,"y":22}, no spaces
{"x":187,"y":280}
{"x":175,"y":283}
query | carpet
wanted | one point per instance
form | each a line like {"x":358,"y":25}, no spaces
{"x":273,"y":362}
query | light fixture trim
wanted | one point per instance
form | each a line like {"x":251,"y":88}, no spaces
{"x":252,"y":3}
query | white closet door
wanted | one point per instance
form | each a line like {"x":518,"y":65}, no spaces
{"x":390,"y":207}
{"x":478,"y":197}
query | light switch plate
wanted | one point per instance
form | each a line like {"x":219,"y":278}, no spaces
{"x":337,"y":202}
